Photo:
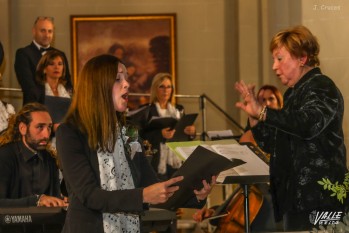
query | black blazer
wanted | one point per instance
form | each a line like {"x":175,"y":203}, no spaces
{"x":10,"y":184}
{"x":26,"y":61}
{"x":87,"y":201}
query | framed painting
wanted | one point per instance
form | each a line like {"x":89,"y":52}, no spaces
{"x":145,"y":43}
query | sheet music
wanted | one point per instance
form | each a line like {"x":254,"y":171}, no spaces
{"x":253,"y":166}
{"x":230,"y":172}
{"x":220,"y":133}
{"x":201,"y":165}
{"x":185,"y":151}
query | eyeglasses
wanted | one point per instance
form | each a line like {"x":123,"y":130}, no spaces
{"x":165,"y":87}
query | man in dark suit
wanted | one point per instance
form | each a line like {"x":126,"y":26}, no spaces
{"x":28,"y":57}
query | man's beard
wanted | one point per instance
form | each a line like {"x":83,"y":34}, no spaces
{"x":35,"y":144}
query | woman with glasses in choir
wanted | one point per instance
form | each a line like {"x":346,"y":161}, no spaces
{"x":162,"y":104}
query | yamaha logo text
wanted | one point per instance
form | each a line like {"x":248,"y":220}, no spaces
{"x":13,"y":219}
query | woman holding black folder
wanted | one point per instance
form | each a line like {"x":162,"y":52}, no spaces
{"x":162,"y":105}
{"x":109,"y":181}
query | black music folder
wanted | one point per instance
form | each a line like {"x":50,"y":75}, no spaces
{"x":201,"y":165}
{"x":57,"y":107}
{"x":162,"y":122}
{"x":173,"y":123}
{"x":135,"y":116}
{"x":185,"y":121}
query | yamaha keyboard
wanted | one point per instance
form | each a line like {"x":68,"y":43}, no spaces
{"x":32,"y":219}
{"x":32,"y":215}
{"x":44,"y":217}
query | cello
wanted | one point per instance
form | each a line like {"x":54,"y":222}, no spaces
{"x":234,"y":221}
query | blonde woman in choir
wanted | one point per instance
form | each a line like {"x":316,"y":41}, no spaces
{"x":162,"y":105}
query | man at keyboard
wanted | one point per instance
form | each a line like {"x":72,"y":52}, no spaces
{"x":28,"y":170}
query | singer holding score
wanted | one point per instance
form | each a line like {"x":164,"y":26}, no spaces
{"x":304,"y":138}
{"x":162,"y":104}
{"x":110,"y":182}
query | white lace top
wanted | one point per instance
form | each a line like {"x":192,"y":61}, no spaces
{"x":166,"y":155}
{"x":62,"y":92}
{"x":6,"y":110}
{"x":115,"y":174}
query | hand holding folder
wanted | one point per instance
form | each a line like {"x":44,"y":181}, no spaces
{"x":185,"y":121}
{"x":201,"y":165}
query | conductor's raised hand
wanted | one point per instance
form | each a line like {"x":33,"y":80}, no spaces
{"x":250,"y":103}
{"x":205,"y":191}
{"x":161,"y":192}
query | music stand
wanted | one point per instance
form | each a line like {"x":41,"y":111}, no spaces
{"x":156,"y":219}
{"x":255,"y":171}
{"x":247,"y":180}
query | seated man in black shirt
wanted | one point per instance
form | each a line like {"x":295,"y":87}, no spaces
{"x":28,"y":170}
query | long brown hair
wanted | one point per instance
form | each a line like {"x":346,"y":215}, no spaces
{"x":92,"y":108}
{"x":12,"y":133}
